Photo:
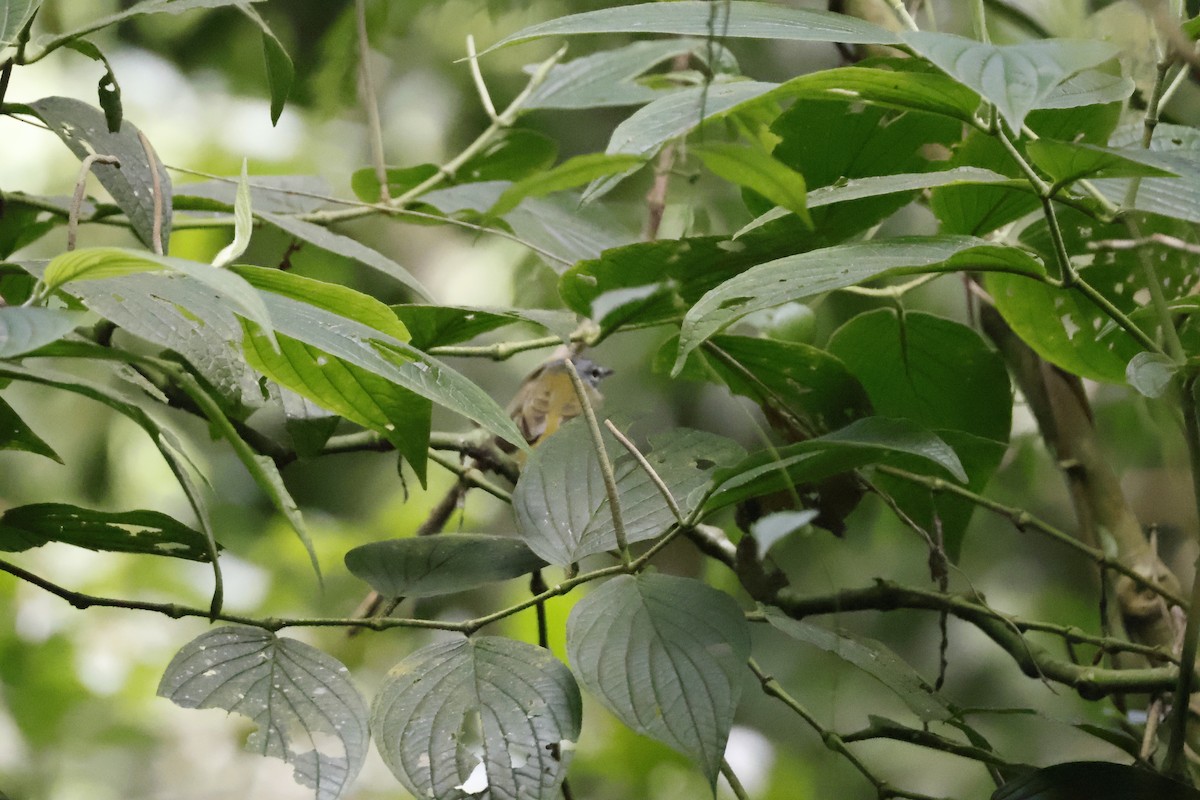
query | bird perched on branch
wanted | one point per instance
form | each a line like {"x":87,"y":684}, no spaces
{"x":544,"y":402}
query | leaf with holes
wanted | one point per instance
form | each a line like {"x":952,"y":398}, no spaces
{"x":307,"y":711}
{"x":146,"y":532}
{"x":484,"y":717}
{"x":667,"y":655}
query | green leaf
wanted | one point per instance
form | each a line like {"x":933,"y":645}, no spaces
{"x":365,"y":183}
{"x":484,"y":716}
{"x":803,"y":378}
{"x":108,"y":90}
{"x":756,"y":170}
{"x":307,"y":712}
{"x":1179,"y":198}
{"x":609,"y":78}
{"x":1095,"y":780}
{"x":1015,"y":77}
{"x":866,"y":441}
{"x":337,"y":244}
{"x":23,"y":219}
{"x":14,"y":16}
{"x":517,"y":153}
{"x":819,"y":271}
{"x":280,"y":70}
{"x":93,"y":263}
{"x":51,"y":42}
{"x":567,"y":175}
{"x":84,"y":129}
{"x":942,"y":376}
{"x":667,"y":656}
{"x":321,"y":316}
{"x":23,"y":330}
{"x":243,"y":224}
{"x":16,"y":435}
{"x":1088,"y":88}
{"x":694,"y":18}
{"x":562,"y":509}
{"x":774,"y":528}
{"x":425,"y":566}
{"x":1067,"y":162}
{"x":874,"y":658}
{"x":656,"y":123}
{"x":145,"y":532}
{"x":1151,"y":373}
{"x":433,"y":326}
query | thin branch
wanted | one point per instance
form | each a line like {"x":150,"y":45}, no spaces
{"x":1163,"y":239}
{"x":370,"y":101}
{"x":80,"y":186}
{"x":662,"y":487}
{"x":477,"y":76}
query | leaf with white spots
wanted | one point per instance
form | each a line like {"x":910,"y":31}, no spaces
{"x":486,"y":717}
{"x":666,"y":655}
{"x":307,"y":712}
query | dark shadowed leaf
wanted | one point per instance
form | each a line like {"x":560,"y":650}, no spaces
{"x":16,"y":435}
{"x":147,"y":532}
{"x":667,"y":655}
{"x":874,"y":658}
{"x":434,"y":326}
{"x":484,"y":717}
{"x":306,"y":710}
{"x":430,"y":565}
{"x":1094,"y":780}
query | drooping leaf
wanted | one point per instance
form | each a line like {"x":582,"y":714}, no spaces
{"x":280,"y":70}
{"x":819,"y":271}
{"x":84,"y":129}
{"x":667,"y":656}
{"x":1094,"y":780}
{"x":485,"y":717}
{"x":26,"y":329}
{"x":754,"y":169}
{"x":872,"y":657}
{"x":424,"y":566}
{"x":108,"y":90}
{"x":1015,"y":77}
{"x":145,"y":532}
{"x":16,"y":435}
{"x":867,"y":441}
{"x":560,"y":503}
{"x":306,"y":710}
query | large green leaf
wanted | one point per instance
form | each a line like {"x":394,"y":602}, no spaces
{"x":609,"y":78}
{"x":567,"y":175}
{"x":423,"y":566}
{"x":874,"y":658}
{"x":1066,"y":162}
{"x":16,"y":435}
{"x":1094,"y":780}
{"x":434,"y":326}
{"x":484,"y":717}
{"x":756,"y":170}
{"x":84,"y":129}
{"x":1088,"y":88}
{"x":515,"y":154}
{"x":802,"y":378}
{"x":146,"y":532}
{"x":354,"y":331}
{"x":1015,"y":78}
{"x":25,"y":329}
{"x":560,"y":503}
{"x":306,"y":710}
{"x":1179,"y":148}
{"x":866,"y":441}
{"x":942,"y":376}
{"x":807,"y":274}
{"x":727,"y":19}
{"x":1066,"y":328}
{"x":667,"y":655}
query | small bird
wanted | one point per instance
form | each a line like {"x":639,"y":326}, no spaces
{"x":547,"y":397}
{"x":544,"y":402}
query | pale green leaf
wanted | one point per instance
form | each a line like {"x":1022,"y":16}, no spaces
{"x":23,"y":330}
{"x":243,"y":224}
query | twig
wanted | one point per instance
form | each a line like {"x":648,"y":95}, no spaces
{"x":477,"y":76}
{"x":80,"y":186}
{"x":1163,"y":239}
{"x":649,"y":470}
{"x":606,"y":468}
{"x":739,"y":791}
{"x":370,"y":101}
{"x":156,"y":232}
